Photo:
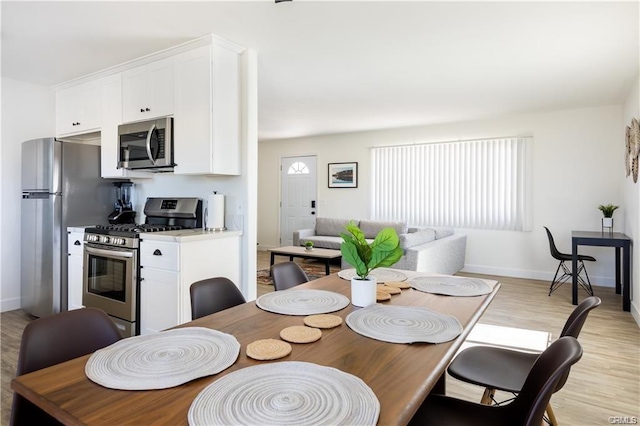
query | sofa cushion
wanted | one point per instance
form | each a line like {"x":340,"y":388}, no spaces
{"x":413,"y":239}
{"x":372,"y":227}
{"x":331,"y":227}
{"x":443,"y":232}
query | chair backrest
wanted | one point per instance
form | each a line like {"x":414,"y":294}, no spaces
{"x":552,"y":245}
{"x":573,"y":326}
{"x":213,"y":295}
{"x":55,"y":339}
{"x":529,"y":406}
{"x":287,"y":274}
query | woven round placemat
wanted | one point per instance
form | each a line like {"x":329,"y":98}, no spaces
{"x":286,"y":393}
{"x":451,"y":286}
{"x":381,"y":296}
{"x":404,"y":324}
{"x":398,"y":284}
{"x":300,"y":334}
{"x":388,"y":289}
{"x":162,"y":360}
{"x":323,"y":321}
{"x":382,"y":275}
{"x":302,"y":302}
{"x":268,"y":349}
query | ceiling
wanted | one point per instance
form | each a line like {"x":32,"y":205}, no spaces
{"x":331,"y":66}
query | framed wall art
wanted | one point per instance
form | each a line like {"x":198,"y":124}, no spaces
{"x":343,"y":175}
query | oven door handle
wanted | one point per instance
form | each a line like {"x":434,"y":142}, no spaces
{"x":108,"y":253}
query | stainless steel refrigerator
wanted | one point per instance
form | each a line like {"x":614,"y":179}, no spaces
{"x":61,"y":187}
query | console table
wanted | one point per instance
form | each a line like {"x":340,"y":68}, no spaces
{"x":605,"y":239}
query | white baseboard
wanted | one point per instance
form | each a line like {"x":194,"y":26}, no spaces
{"x":532,"y":275}
{"x":9,"y":304}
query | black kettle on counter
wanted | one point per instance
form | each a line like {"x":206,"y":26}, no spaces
{"x":123,"y":207}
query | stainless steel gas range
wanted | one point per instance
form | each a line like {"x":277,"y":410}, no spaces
{"x":111,"y":278}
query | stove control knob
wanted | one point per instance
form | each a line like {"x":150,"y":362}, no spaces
{"x":119,"y":241}
{"x":104,"y":239}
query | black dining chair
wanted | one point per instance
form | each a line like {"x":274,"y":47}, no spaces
{"x":213,"y":295}
{"x":55,"y":339}
{"x":506,"y":370}
{"x":528,"y":407}
{"x":287,"y":274}
{"x":566,"y":271}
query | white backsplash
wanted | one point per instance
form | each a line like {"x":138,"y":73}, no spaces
{"x":170,"y":185}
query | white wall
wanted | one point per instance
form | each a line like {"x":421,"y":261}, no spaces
{"x":631,"y":199}
{"x":576,"y":166}
{"x":27,"y":113}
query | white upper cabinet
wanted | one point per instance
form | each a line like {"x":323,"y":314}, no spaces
{"x":207,"y":110}
{"x":111,"y":97}
{"x":147,"y":91}
{"x":78,"y":109}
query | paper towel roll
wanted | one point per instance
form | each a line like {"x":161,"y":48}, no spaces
{"x":215,"y":212}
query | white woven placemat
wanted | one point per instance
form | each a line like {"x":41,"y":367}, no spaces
{"x":286,"y":393}
{"x":162,"y":360}
{"x":403,"y":324}
{"x":381,"y":275}
{"x":451,"y":286}
{"x":302,"y":302}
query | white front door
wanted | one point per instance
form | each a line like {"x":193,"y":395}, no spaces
{"x":298,"y":205}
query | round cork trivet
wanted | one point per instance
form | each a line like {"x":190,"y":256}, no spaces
{"x":300,"y":334}
{"x":389,"y":289}
{"x":381,"y":296}
{"x":323,"y":321}
{"x":398,"y":284}
{"x":268,"y":349}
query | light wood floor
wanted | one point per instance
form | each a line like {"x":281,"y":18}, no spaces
{"x":604,"y":383}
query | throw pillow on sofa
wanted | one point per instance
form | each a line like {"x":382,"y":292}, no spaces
{"x":331,"y":227}
{"x":372,"y":227}
{"x":417,"y":238}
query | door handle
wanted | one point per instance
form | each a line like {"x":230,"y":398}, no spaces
{"x":313,"y":204}
{"x":313,"y":212}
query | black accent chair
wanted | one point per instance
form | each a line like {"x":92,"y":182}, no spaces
{"x":527,"y":409}
{"x":287,"y":274}
{"x":55,"y":339}
{"x":506,"y":370}
{"x":566,"y":271}
{"x":213,"y":295}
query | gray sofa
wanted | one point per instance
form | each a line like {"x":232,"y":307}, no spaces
{"x":426,"y":249}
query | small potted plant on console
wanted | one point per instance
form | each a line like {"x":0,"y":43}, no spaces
{"x":607,"y":212}
{"x":364,"y":257}
{"x":308,"y":245}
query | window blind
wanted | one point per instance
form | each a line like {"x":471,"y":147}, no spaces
{"x":466,"y":184}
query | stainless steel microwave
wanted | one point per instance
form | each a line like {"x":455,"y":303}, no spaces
{"x":146,"y":145}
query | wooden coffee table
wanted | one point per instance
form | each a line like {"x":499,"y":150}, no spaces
{"x":317,"y":253}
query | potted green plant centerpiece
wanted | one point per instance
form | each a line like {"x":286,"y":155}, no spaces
{"x":364,"y":257}
{"x":308,"y":245}
{"x":607,"y":212}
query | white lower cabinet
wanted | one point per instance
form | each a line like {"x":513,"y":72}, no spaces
{"x":169,"y":268}
{"x":75,"y":269}
{"x":159,"y":291}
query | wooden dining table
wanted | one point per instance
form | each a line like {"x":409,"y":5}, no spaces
{"x":400,"y":375}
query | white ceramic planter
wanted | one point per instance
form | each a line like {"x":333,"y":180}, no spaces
{"x":363,"y":292}
{"x":607,"y":222}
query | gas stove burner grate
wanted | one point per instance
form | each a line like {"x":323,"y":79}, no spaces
{"x":145,"y":227}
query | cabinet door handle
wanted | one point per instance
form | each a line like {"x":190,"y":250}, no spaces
{"x":77,"y":243}
{"x":157,"y":252}
{"x":147,"y":109}
{"x":141,"y":109}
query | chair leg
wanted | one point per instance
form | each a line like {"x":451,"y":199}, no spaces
{"x":553,"y":287}
{"x":552,"y":416}
{"x":585,"y":284}
{"x":487,"y":396}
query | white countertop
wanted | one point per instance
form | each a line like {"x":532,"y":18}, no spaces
{"x":78,"y":228}
{"x":186,"y":235}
